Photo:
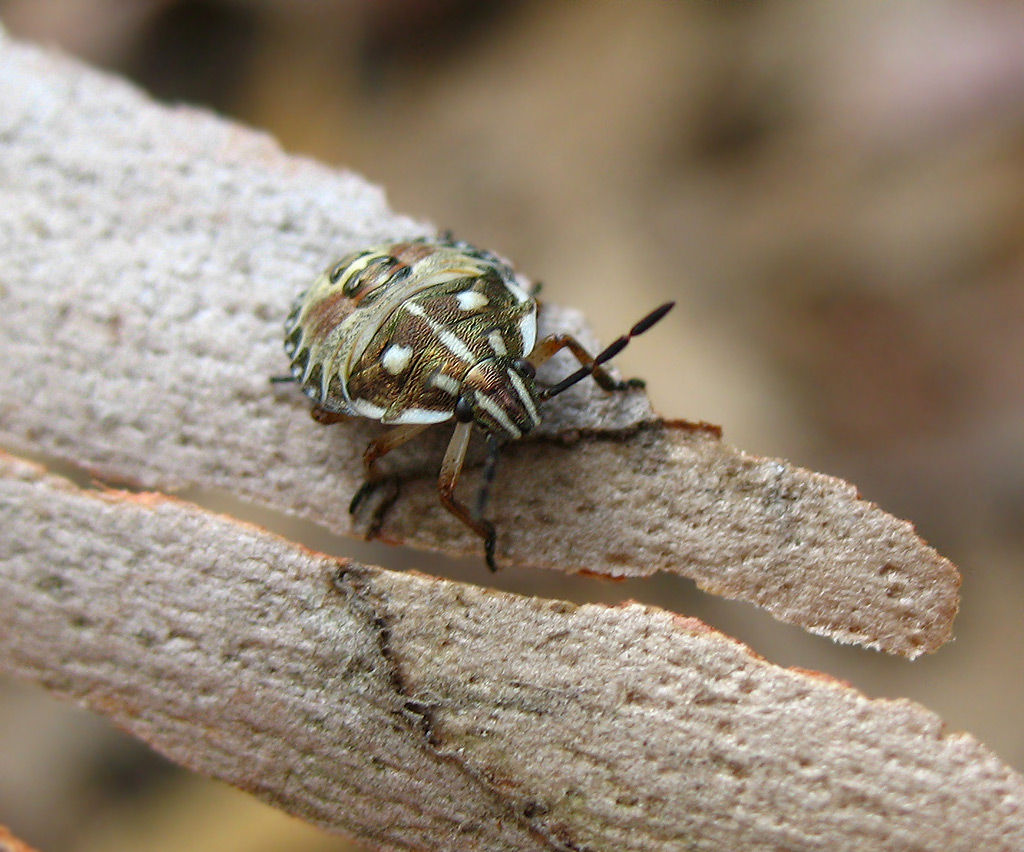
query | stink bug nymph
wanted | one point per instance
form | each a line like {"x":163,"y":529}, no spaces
{"x":425,"y":331}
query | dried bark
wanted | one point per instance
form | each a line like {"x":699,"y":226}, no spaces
{"x":418,"y":713}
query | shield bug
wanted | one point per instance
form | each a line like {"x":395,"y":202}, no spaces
{"x":425,"y":331}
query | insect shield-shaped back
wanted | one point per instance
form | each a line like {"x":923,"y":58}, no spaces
{"x":419,"y":332}
{"x":391,"y":333}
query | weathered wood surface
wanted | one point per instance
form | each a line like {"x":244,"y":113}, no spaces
{"x":418,"y":713}
{"x":148,"y":257}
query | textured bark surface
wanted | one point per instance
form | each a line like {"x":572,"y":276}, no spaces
{"x":148,"y":258}
{"x":417,"y":713}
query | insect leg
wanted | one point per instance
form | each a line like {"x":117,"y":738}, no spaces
{"x":592,"y":363}
{"x":557,"y":342}
{"x":389,"y":441}
{"x":490,"y":468}
{"x":375,"y":450}
{"x":451,"y":467}
{"x":325,"y":417}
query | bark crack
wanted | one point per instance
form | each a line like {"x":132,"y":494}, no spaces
{"x":356,"y":585}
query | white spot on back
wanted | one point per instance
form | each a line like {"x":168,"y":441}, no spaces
{"x":445,"y":383}
{"x":497,"y":342}
{"x":396,"y":358}
{"x":470,"y":300}
{"x":366,"y":409}
{"x":421,"y":415}
{"x":520,"y":294}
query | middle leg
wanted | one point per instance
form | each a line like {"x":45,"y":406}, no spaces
{"x":375,"y":450}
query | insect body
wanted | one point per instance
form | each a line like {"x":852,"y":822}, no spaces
{"x":425,"y":331}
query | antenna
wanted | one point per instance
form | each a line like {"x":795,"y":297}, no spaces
{"x":607,"y":353}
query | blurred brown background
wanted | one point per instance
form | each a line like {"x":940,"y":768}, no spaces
{"x":834,"y":193}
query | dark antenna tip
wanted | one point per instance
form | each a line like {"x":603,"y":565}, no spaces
{"x":654,"y":316}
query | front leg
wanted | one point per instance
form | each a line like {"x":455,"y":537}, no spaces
{"x":451,"y":468}
{"x":592,"y":363}
{"x":556,"y":342}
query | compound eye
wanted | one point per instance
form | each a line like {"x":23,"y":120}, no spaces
{"x":524,"y":368}
{"x":464,"y":410}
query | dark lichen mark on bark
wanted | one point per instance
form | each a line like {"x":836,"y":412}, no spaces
{"x":356,"y":585}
